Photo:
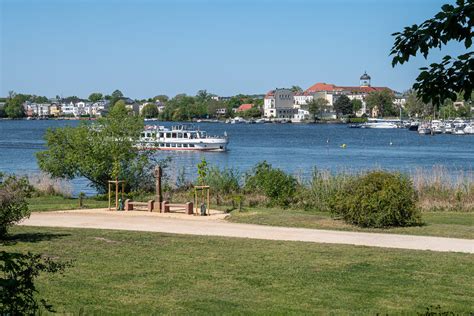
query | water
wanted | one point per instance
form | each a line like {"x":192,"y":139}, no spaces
{"x":295,"y":148}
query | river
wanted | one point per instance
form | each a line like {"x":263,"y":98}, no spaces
{"x":295,"y":148}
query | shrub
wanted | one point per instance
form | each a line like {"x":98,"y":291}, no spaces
{"x":276,"y":185}
{"x":17,"y":287}
{"x":222,"y":181}
{"x":13,"y":205}
{"x":377,"y":199}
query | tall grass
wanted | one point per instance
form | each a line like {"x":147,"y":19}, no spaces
{"x":436,"y":188}
{"x":43,"y":184}
{"x":439,"y":190}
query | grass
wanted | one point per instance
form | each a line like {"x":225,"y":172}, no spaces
{"x":120,"y":272}
{"x":445,"y":224}
{"x":54,"y":203}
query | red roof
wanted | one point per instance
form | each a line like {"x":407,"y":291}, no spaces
{"x":318,"y":87}
{"x":364,"y":89}
{"x":245,"y":107}
{"x":270,"y":93}
{"x":321,"y":86}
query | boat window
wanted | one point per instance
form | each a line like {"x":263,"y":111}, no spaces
{"x":173,"y":145}
{"x":185,"y":135}
{"x":162,"y":145}
{"x":173,"y":135}
{"x":191,"y":145}
{"x":162,"y":135}
{"x":180,"y":135}
{"x":148,"y":134}
{"x":167,"y":145}
{"x":168,"y":135}
{"x":142,"y":134}
{"x":179,"y":145}
{"x":185,"y":145}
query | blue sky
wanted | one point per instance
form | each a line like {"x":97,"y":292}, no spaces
{"x":145,"y":48}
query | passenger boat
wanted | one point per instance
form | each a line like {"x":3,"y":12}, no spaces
{"x":180,"y":137}
{"x":379,"y":124}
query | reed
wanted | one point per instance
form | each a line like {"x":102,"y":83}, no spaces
{"x":43,"y":184}
{"x":437,"y":189}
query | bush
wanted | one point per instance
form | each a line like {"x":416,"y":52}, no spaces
{"x":222,"y":181}
{"x":13,"y":205}
{"x":377,"y":199}
{"x":17,"y":283}
{"x":276,"y":185}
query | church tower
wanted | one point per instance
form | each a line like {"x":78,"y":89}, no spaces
{"x":365,"y":80}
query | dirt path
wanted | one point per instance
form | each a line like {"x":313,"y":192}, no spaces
{"x":216,"y":226}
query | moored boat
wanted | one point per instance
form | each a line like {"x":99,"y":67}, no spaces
{"x":180,"y":138}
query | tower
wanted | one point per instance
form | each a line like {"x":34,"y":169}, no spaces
{"x":365,"y":80}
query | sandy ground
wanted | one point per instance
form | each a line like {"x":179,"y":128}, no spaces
{"x":215,"y":225}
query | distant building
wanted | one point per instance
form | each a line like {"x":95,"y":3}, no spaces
{"x":221,"y":111}
{"x":55,"y":110}
{"x":244,"y":107}
{"x":37,"y":109}
{"x":278,"y":104}
{"x":331,"y":93}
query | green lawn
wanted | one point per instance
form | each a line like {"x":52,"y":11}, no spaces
{"x":120,"y":272}
{"x":446,"y":224}
{"x":54,"y":203}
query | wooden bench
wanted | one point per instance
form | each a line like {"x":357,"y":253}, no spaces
{"x":186,"y":207}
{"x":139,"y":206}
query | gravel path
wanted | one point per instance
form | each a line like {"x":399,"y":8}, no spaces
{"x":216,"y":226}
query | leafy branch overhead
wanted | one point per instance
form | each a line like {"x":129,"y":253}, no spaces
{"x":440,"y":81}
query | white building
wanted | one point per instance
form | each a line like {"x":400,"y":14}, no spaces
{"x":331,"y":92}
{"x":69,"y":109}
{"x":37,"y":109}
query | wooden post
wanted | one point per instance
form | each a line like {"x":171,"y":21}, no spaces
{"x":208,"y":202}
{"x":116,"y":193}
{"x":159,"y":196}
{"x":150,"y":205}
{"x":189,"y":208}
{"x":110,"y":197}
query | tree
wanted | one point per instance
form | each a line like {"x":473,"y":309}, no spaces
{"x":161,"y":98}
{"x":99,"y":152}
{"x":150,"y":111}
{"x":440,"y":81}
{"x":343,"y":105}
{"x":119,"y":103}
{"x":117,"y":94}
{"x":202,"y":96}
{"x":382,"y":100}
{"x":316,"y":106}
{"x":296,"y":89}
{"x":95,"y":96}
{"x":414,"y":106}
{"x":13,"y":206}
{"x":356,"y":105}
{"x":19,"y":271}
{"x":14,"y":106}
{"x":253,"y":112}
{"x":115,"y":97}
{"x":39,"y":99}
